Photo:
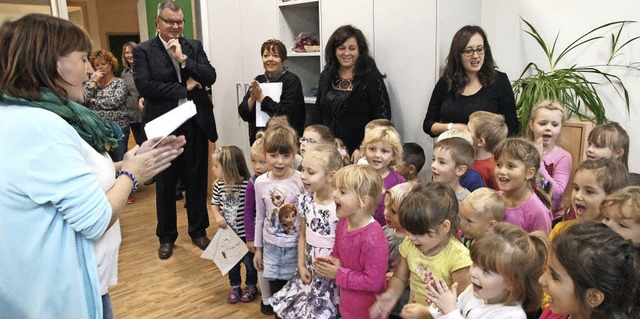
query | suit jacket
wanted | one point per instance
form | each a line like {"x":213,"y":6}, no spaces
{"x":156,"y":80}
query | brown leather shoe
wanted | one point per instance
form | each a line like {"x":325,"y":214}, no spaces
{"x":165,"y":251}
{"x":201,"y":242}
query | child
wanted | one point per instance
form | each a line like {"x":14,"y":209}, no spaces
{"x":429,"y":214}
{"x":412,"y":161}
{"x":517,"y":162}
{"x":395,"y":235}
{"x":479,"y":212}
{"x":608,"y":140}
{"x":621,"y":212}
{"x":592,"y":182}
{"x":308,"y":295}
{"x":259,"y":166}
{"x":227,"y":203}
{"x":451,"y":159}
{"x":545,"y":124}
{"x":487,"y":130}
{"x":316,"y":133}
{"x":359,"y":258}
{"x":358,"y":156}
{"x":383,"y":150}
{"x":276,"y":252}
{"x":592,"y":273}
{"x":506,"y":264}
{"x":471,"y":180}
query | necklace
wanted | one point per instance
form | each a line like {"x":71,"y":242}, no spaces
{"x":343,"y":84}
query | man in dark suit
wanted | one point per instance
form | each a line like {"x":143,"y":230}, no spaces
{"x":169,"y":70}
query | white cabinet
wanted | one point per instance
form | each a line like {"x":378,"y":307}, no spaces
{"x":237,"y":29}
{"x":405,"y":48}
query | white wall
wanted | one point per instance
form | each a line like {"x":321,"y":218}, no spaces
{"x":512,"y":48}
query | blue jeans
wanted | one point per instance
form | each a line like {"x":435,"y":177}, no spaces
{"x":123,"y":144}
{"x":252,"y":274}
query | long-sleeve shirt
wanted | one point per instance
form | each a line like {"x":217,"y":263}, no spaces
{"x":532,"y":215}
{"x":470,"y":307}
{"x":363,"y":256}
{"x":391,"y":180}
{"x":271,"y":194}
{"x":109,"y":102}
{"x":250,"y":209}
{"x":556,"y":169}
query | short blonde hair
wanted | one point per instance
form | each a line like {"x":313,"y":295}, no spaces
{"x":454,"y":132}
{"x":622,"y":204}
{"x":489,"y":126}
{"x":379,"y":123}
{"x":387,"y":135}
{"x":487,"y":202}
{"x":363,"y":180}
{"x":461,"y":152}
{"x":394,"y":196}
{"x":327,"y":154}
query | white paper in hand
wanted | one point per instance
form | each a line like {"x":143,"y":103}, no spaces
{"x":226,"y":249}
{"x":272,"y":90}
{"x":170,"y":121}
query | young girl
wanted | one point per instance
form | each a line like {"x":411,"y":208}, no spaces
{"x":358,"y":262}
{"x":547,"y":118}
{"x":382,"y":148}
{"x":276,"y":253}
{"x":610,"y":141}
{"x":315,"y":133}
{"x":506,"y":264}
{"x":429,"y":214}
{"x":517,"y":162}
{"x":395,"y":235}
{"x":621,"y":212}
{"x":308,"y":295}
{"x":259,"y":166}
{"x":592,"y":182}
{"x":592,"y":273}
{"x":227,"y":204}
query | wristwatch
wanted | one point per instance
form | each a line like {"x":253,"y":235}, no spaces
{"x":183,"y":64}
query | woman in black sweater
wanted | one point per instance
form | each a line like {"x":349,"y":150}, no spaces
{"x":291,"y":102}
{"x":469,"y":83}
{"x":351,"y":90}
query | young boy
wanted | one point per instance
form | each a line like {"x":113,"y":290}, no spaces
{"x":621,"y":212}
{"x":487,"y":129}
{"x":480,"y":211}
{"x":471,"y":180}
{"x":412,"y":161}
{"x":452,"y":157}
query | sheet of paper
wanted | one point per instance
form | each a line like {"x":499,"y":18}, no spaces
{"x":272,"y":90}
{"x":226,"y":249}
{"x":170,"y":121}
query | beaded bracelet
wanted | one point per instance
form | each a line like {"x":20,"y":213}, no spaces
{"x":130,"y":175}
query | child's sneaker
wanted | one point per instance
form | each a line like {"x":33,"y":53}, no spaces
{"x":266,"y":309}
{"x":234,"y":295}
{"x":249,"y":294}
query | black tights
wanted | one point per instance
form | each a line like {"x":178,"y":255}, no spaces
{"x":275,"y":286}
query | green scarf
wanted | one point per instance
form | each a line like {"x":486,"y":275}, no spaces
{"x":101,"y":134}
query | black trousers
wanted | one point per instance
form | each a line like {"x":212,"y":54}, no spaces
{"x":192,"y":167}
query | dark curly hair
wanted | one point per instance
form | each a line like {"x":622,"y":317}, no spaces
{"x":454,"y":71}
{"x":365,"y":64}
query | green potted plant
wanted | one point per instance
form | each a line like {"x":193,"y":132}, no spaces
{"x":576,"y":87}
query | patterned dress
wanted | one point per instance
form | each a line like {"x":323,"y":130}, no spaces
{"x":319,"y":299}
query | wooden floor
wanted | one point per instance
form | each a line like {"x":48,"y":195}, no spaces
{"x":183,"y":286}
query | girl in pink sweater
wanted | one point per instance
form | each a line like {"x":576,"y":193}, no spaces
{"x":359,"y":259}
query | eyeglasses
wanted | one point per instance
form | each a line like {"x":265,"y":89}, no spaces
{"x":172,"y":22}
{"x":307,"y":140}
{"x":469,"y":51}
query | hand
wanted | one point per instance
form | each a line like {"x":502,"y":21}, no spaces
{"x":257,"y":259}
{"x":255,"y":91}
{"x":250,"y":247}
{"x":175,"y":49}
{"x":439,"y":294}
{"x":305,"y":275}
{"x":540,"y":147}
{"x":222,"y":223}
{"x":460,"y":126}
{"x":389,"y":275}
{"x":141,"y":103}
{"x":191,"y":84}
{"x":415,"y":311}
{"x":97,"y":76}
{"x":383,"y":305}
{"x":326,"y":267}
{"x":144,"y":162}
{"x":355,"y":157}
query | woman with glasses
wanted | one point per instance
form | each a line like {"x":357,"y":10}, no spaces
{"x":291,"y":102}
{"x":469,"y":83}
